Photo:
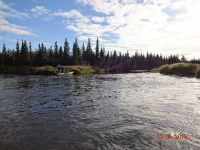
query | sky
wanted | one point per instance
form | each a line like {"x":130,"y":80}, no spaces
{"x":157,"y":26}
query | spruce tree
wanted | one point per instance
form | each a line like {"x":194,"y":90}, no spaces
{"x":50,"y":56}
{"x":60,"y":56}
{"x":89,"y":53}
{"x":30,"y":52}
{"x":56,"y":50}
{"x":24,"y":54}
{"x":83,"y":54}
{"x":97,"y":52}
{"x":41,"y":58}
{"x":55,"y":53}
{"x":102,"y":57}
{"x":66,"y":58}
{"x":4,"y":48}
{"x":4,"y":58}
{"x":76,"y":53}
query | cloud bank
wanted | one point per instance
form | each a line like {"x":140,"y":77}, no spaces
{"x":5,"y":26}
{"x":154,"y":25}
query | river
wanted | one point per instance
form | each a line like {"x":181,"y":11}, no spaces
{"x":120,"y":111}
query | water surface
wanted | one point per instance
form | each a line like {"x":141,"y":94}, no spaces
{"x":123,"y":111}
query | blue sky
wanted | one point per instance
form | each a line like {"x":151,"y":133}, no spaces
{"x":157,"y":26}
{"x":41,"y":26}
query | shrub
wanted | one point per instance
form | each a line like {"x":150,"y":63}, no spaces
{"x":164,"y":69}
{"x":180,"y":69}
{"x":81,"y":69}
{"x":155,"y":70}
{"x":197,"y":75}
{"x":44,"y":70}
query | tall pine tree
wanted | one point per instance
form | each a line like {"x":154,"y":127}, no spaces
{"x":66,"y":57}
{"x":76,"y":53}
{"x":97,"y":53}
{"x":24,"y":54}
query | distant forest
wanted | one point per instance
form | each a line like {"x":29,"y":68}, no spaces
{"x":23,"y":55}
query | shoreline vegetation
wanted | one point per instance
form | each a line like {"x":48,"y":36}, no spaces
{"x":89,"y":60}
{"x":51,"y":70}
{"x":180,"y":69}
{"x":43,"y":60}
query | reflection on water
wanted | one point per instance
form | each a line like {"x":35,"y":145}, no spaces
{"x":124,"y":111}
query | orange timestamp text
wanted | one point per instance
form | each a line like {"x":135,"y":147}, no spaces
{"x":170,"y":136}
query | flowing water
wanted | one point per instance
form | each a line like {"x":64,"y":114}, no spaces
{"x":122,"y":111}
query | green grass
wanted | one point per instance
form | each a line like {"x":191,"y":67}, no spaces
{"x":43,"y":70}
{"x":81,"y":69}
{"x":197,"y":73}
{"x":50,"y":70}
{"x":15,"y":70}
{"x":181,"y":69}
{"x":155,"y":70}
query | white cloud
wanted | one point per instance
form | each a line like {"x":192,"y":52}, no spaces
{"x":72,"y":14}
{"x":98,"y":19}
{"x":39,"y":10}
{"x":7,"y":11}
{"x":79,"y":23}
{"x":154,"y":25}
{"x":83,"y":25}
{"x":5,"y":26}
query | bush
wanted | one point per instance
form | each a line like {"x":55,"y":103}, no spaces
{"x":197,"y":75}
{"x":44,"y":70}
{"x":155,"y":70}
{"x":164,"y":69}
{"x":15,"y":70}
{"x":81,"y":69}
{"x":100,"y":70}
{"x":180,"y":69}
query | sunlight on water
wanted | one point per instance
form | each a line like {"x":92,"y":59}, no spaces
{"x":122,"y":111}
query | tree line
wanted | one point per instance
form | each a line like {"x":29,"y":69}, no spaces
{"x":23,"y":55}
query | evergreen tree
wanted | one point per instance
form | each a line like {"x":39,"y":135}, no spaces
{"x":76,"y":53}
{"x":3,"y":56}
{"x":30,"y":52}
{"x":24,"y":54}
{"x":61,"y":56}
{"x":102,"y":57}
{"x":56,"y":50}
{"x":84,"y":57}
{"x":17,"y":54}
{"x":114,"y":58}
{"x":89,"y":53}
{"x":66,"y":59}
{"x":17,"y":48}
{"x":4,"y":48}
{"x":51,"y":56}
{"x":56,"y":53}
{"x":40,"y":58}
{"x":97,"y":52}
{"x":183,"y":59}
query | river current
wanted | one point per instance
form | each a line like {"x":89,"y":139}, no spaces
{"x":120,"y":111}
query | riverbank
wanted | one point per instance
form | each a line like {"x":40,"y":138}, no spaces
{"x":139,"y":71}
{"x":180,"y":69}
{"x":50,"y":70}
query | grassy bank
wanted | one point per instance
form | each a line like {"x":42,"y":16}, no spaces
{"x":180,"y":69}
{"x":86,"y":70}
{"x":50,"y":70}
{"x":44,"y":70}
{"x":81,"y":69}
{"x":139,"y":71}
